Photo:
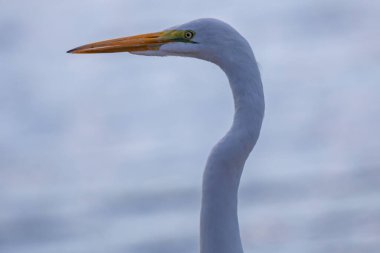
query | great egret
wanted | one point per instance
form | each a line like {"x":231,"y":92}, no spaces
{"x":215,"y":41}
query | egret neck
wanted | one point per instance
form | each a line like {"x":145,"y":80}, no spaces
{"x":219,"y":226}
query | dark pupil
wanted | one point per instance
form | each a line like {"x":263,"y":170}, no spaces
{"x":188,"y":35}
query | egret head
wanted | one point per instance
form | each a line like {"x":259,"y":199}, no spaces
{"x":206,"y":39}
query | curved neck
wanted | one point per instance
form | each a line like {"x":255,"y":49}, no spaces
{"x":219,"y":220}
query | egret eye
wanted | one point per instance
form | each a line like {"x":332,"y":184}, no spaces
{"x":188,"y":35}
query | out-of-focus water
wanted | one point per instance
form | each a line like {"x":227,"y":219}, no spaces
{"x":104,"y":153}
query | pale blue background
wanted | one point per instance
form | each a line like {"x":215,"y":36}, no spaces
{"x":104,"y":153}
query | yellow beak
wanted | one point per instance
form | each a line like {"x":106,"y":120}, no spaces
{"x":143,"y":42}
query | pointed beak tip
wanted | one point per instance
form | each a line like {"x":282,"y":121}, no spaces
{"x":72,"y":51}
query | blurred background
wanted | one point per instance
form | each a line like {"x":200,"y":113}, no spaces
{"x":104,"y":153}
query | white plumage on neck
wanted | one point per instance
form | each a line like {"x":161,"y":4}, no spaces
{"x":219,"y":221}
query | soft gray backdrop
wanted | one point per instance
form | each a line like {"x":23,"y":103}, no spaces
{"x":104,"y":153}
